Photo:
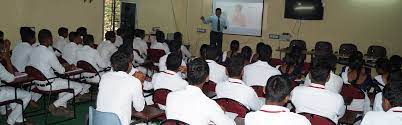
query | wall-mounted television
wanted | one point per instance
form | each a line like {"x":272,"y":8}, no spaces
{"x":304,"y":9}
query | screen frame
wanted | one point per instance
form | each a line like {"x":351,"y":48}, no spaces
{"x":290,"y":14}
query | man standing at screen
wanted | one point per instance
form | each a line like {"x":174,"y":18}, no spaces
{"x":218,"y":24}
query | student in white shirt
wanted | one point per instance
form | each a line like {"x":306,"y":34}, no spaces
{"x":217,"y":72}
{"x":273,"y":112}
{"x":234,"y":88}
{"x":335,"y":82}
{"x":191,"y":105}
{"x":203,"y":51}
{"x":157,"y":41}
{"x":129,"y":94}
{"x":384,"y":69}
{"x":177,"y":36}
{"x":315,"y":98}
{"x":106,"y":48}
{"x":392,"y":105}
{"x":19,"y":58}
{"x":61,"y":40}
{"x":259,"y":72}
{"x":234,"y":49}
{"x":247,"y":53}
{"x":119,"y":37}
{"x":7,"y":93}
{"x":174,"y":47}
{"x":139,"y":44}
{"x":82,"y":31}
{"x":46,"y":61}
{"x":69,"y":51}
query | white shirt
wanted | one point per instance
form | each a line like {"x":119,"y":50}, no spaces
{"x":91,"y":56}
{"x":137,"y":59}
{"x":45,"y":61}
{"x":69,"y":53}
{"x":315,"y":99}
{"x":334,"y":84}
{"x":5,"y":75}
{"x":275,"y":115}
{"x":185,"y":52}
{"x":192,"y":106}
{"x":60,"y":42}
{"x":380,"y":80}
{"x":237,"y":90}
{"x":162,"y":63}
{"x":217,"y":72}
{"x":140,"y":45}
{"x":161,"y":46}
{"x":118,"y":42}
{"x":106,"y":50}
{"x":377,"y":106}
{"x":392,"y":117}
{"x":168,"y":80}
{"x":20,"y":55}
{"x":258,"y":73}
{"x":356,"y":104}
{"x":117,"y":92}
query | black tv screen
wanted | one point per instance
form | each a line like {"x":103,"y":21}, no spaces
{"x":304,"y":9}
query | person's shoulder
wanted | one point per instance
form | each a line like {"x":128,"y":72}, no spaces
{"x":297,"y":118}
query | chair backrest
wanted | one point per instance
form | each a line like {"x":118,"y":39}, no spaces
{"x":298,"y":43}
{"x":377,"y":51}
{"x":349,"y":91}
{"x":61,"y":60}
{"x":35,"y":73}
{"x":87,"y":67}
{"x":209,"y":86}
{"x":347,"y":49}
{"x":160,"y":96}
{"x":102,"y":118}
{"x":173,"y":122}
{"x":323,"y":48}
{"x":274,"y":62}
{"x":230,"y":105}
{"x":155,"y":54}
{"x":259,"y":90}
{"x":317,"y":120}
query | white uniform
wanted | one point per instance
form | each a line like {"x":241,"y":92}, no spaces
{"x":69,"y":53}
{"x":118,"y":42}
{"x":334,"y":84}
{"x":7,"y":93}
{"x":162,"y":63}
{"x":93,"y":57}
{"x":161,"y":46}
{"x":357,"y":104}
{"x":192,"y":106}
{"x":217,"y":72}
{"x":60,"y":42}
{"x":316,"y":99}
{"x":20,"y":55}
{"x":106,"y":50}
{"x":237,"y":90}
{"x":258,"y":73}
{"x":141,"y":46}
{"x":185,"y":52}
{"x":120,"y":102}
{"x":168,"y":80}
{"x":275,"y":115}
{"x":392,"y":117}
{"x":46,"y":61}
{"x":377,"y":106}
{"x":380,"y":80}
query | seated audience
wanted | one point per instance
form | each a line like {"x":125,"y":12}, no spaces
{"x":191,"y":105}
{"x":69,"y":51}
{"x":61,"y":40}
{"x":157,"y":41}
{"x":21,"y":52}
{"x":273,"y":112}
{"x":174,"y":47}
{"x":177,"y":36}
{"x":119,"y":37}
{"x":106,"y":48}
{"x":254,"y":58}
{"x":234,"y":88}
{"x":203,"y":51}
{"x":246,"y":52}
{"x":139,"y":44}
{"x":289,"y":67}
{"x":396,"y":62}
{"x":129,"y":88}
{"x":234,"y":49}
{"x":217,"y":72}
{"x":82,"y":31}
{"x":378,"y":100}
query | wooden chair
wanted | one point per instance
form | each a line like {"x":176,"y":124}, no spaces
{"x":346,"y":50}
{"x":160,"y":96}
{"x":230,"y":105}
{"x":153,"y":56}
{"x":323,"y":48}
{"x":18,"y":101}
{"x":173,"y":122}
{"x":61,"y":60}
{"x":318,"y":120}
{"x":87,"y":67}
{"x":209,"y":86}
{"x":259,"y":90}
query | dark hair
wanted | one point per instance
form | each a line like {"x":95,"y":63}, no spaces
{"x":246,"y":52}
{"x":203,"y":51}
{"x":383,"y":64}
{"x":120,"y":61}
{"x":278,"y":88}
{"x":234,"y":45}
{"x":290,"y":60}
{"x":396,"y":62}
{"x":212,"y":53}
{"x":393,"y":93}
{"x":44,"y":34}
{"x":120,"y":31}
{"x":2,"y":47}
{"x":330,"y":60}
{"x":258,"y":47}
{"x":264,"y":53}
{"x":174,"y":46}
{"x":218,"y":9}
{"x":28,"y":35}
{"x":109,"y":35}
{"x":88,"y":39}
{"x":160,"y":36}
{"x":23,"y":30}
{"x":177,"y":36}
{"x":72,"y":36}
{"x":173,"y":61}
{"x":197,"y":71}
{"x":62,"y":31}
{"x":235,"y":66}
{"x":81,"y":31}
{"x":356,"y":63}
{"x":1,"y":35}
{"x":320,"y":71}
{"x":139,"y":33}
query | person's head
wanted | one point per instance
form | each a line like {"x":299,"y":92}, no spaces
{"x":29,"y":37}
{"x":23,"y":30}
{"x":235,"y":67}
{"x":203,"y":51}
{"x":89,"y":40}
{"x":82,"y":31}
{"x":177,"y":36}
{"x":174,"y":46}
{"x":355,"y":55}
{"x":63,"y":32}
{"x":246,"y":52}
{"x":173,"y":61}
{"x":320,"y":71}
{"x":160,"y":36}
{"x":212,"y":53}
{"x":383,"y":66}
{"x":289,"y":60}
{"x":234,"y":45}
{"x":396,"y":62}
{"x":74,"y":37}
{"x":45,"y":37}
{"x":139,"y":33}
{"x":197,"y":72}
{"x":258,"y":47}
{"x":299,"y":53}
{"x":392,"y":94}
{"x":121,"y":61}
{"x":1,"y":35}
{"x":330,"y":59}
{"x":277,"y":90}
{"x":111,"y":36}
{"x":120,"y":31}
{"x":264,"y":53}
{"x":356,"y":62}
{"x":218,"y":12}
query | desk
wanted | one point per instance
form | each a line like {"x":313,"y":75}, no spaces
{"x":239,"y":121}
{"x":148,"y":114}
{"x":210,"y":94}
{"x":21,"y":80}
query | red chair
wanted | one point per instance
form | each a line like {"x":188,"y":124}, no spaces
{"x":153,"y":56}
{"x":209,"y":86}
{"x":87,"y":67}
{"x":318,"y":120}
{"x":259,"y":90}
{"x":160,"y":96}
{"x":230,"y":105}
{"x":275,"y":62}
{"x":349,"y":91}
{"x":173,"y":122}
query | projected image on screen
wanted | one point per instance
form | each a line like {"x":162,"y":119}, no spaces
{"x":244,"y":16}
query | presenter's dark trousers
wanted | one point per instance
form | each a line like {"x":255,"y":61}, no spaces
{"x":216,"y":39}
